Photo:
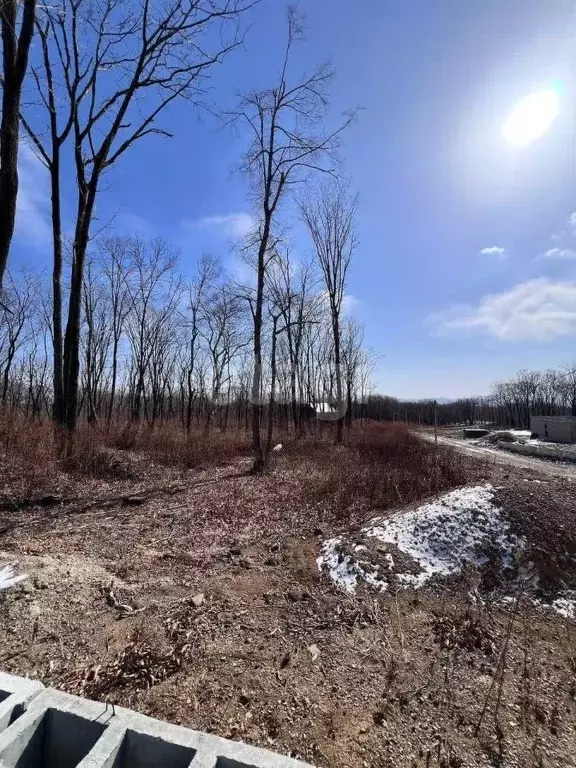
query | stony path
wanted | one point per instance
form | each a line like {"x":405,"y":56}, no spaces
{"x":554,"y":468}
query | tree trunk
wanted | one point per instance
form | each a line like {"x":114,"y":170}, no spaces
{"x":15,"y":62}
{"x":113,"y":382}
{"x":58,"y":408}
{"x":8,"y":172}
{"x":6,"y":377}
{"x":189,"y":402}
{"x":348,"y":403}
{"x":72,"y":336}
{"x":272,"y":400}
{"x":259,"y":460}
{"x":338,"y":367}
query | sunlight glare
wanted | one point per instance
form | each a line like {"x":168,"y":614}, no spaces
{"x":531,"y":117}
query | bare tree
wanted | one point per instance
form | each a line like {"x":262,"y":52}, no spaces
{"x":209,"y":270}
{"x":221,"y":328}
{"x":18,"y":326}
{"x":15,"y":49}
{"x":566,"y":383}
{"x":352,"y":338}
{"x":331,"y":222}
{"x":291,"y":291}
{"x":117,"y":66}
{"x":96,"y":340}
{"x":153,"y":291}
{"x":287,"y":144}
{"x":115,"y":258}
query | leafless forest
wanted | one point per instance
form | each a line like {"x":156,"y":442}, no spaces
{"x":155,"y":348}
{"x":118,"y":334}
{"x":207,"y":512}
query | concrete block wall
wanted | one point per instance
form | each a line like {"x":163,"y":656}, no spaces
{"x":46,"y":728}
{"x":15,"y":695}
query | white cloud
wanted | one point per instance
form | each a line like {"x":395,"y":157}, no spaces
{"x":559,"y":253}
{"x":349,"y":303}
{"x":241,"y":271}
{"x":134,"y":224}
{"x":233,"y":225}
{"x":33,"y":204}
{"x":539,"y":309}
{"x":572,"y":221}
{"x":494,"y":250}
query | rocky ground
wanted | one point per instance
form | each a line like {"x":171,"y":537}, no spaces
{"x":195,"y":596}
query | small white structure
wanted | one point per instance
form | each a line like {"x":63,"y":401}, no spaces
{"x":558,"y":429}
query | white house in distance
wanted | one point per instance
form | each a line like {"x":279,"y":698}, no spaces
{"x":558,"y":429}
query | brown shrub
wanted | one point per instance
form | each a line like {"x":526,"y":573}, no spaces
{"x":32,"y":451}
{"x":27,"y":464}
{"x":381,"y":465}
{"x":171,"y":445}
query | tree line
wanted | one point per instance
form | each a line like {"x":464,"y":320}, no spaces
{"x":510,"y":403}
{"x":120,"y":331}
{"x":155,"y":346}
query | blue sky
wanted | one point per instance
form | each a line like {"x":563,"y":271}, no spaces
{"x":451,"y":277}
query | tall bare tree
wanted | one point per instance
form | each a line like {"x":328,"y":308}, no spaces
{"x":331,"y":221}
{"x":19,"y":325}
{"x":154,"y":295}
{"x":15,"y":49}
{"x":116,"y":66}
{"x":352,"y":357}
{"x":285,"y":125}
{"x":208,"y":271}
{"x":222,"y":329}
{"x":290,"y":288}
{"x":115,"y":263}
{"x":96,"y":339}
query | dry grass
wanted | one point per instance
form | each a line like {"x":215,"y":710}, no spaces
{"x":379,"y":465}
{"x":32,"y":454}
{"x":402,"y":678}
{"x":170,"y":445}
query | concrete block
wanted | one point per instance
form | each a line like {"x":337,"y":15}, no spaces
{"x":15,"y":694}
{"x":55,"y":730}
{"x":70,"y":732}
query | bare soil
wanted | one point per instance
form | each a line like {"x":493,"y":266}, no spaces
{"x":194,"y":596}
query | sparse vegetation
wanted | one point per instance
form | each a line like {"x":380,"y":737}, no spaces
{"x":192,"y":453}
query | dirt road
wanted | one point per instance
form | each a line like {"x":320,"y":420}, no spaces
{"x":554,"y":468}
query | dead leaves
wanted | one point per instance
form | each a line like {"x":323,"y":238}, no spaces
{"x":123,"y":608}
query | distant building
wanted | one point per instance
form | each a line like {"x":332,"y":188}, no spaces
{"x":558,"y":429}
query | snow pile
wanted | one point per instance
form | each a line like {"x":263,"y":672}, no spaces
{"x":346,"y":570}
{"x":566,"y":605}
{"x":8,"y":577}
{"x":446,"y":533}
{"x":436,"y":539}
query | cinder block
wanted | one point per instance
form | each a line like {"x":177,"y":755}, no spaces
{"x":15,"y":694}
{"x":55,"y":730}
{"x":63,"y":731}
{"x":146,"y":742}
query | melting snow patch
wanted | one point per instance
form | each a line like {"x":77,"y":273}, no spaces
{"x":566,"y":605}
{"x":444,"y":534}
{"x":438,"y":537}
{"x":8,"y":577}
{"x":345,"y":570}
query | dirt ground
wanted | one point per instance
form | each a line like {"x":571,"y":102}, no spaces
{"x":195,"y":597}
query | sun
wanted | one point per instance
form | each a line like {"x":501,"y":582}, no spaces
{"x":531,"y":117}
